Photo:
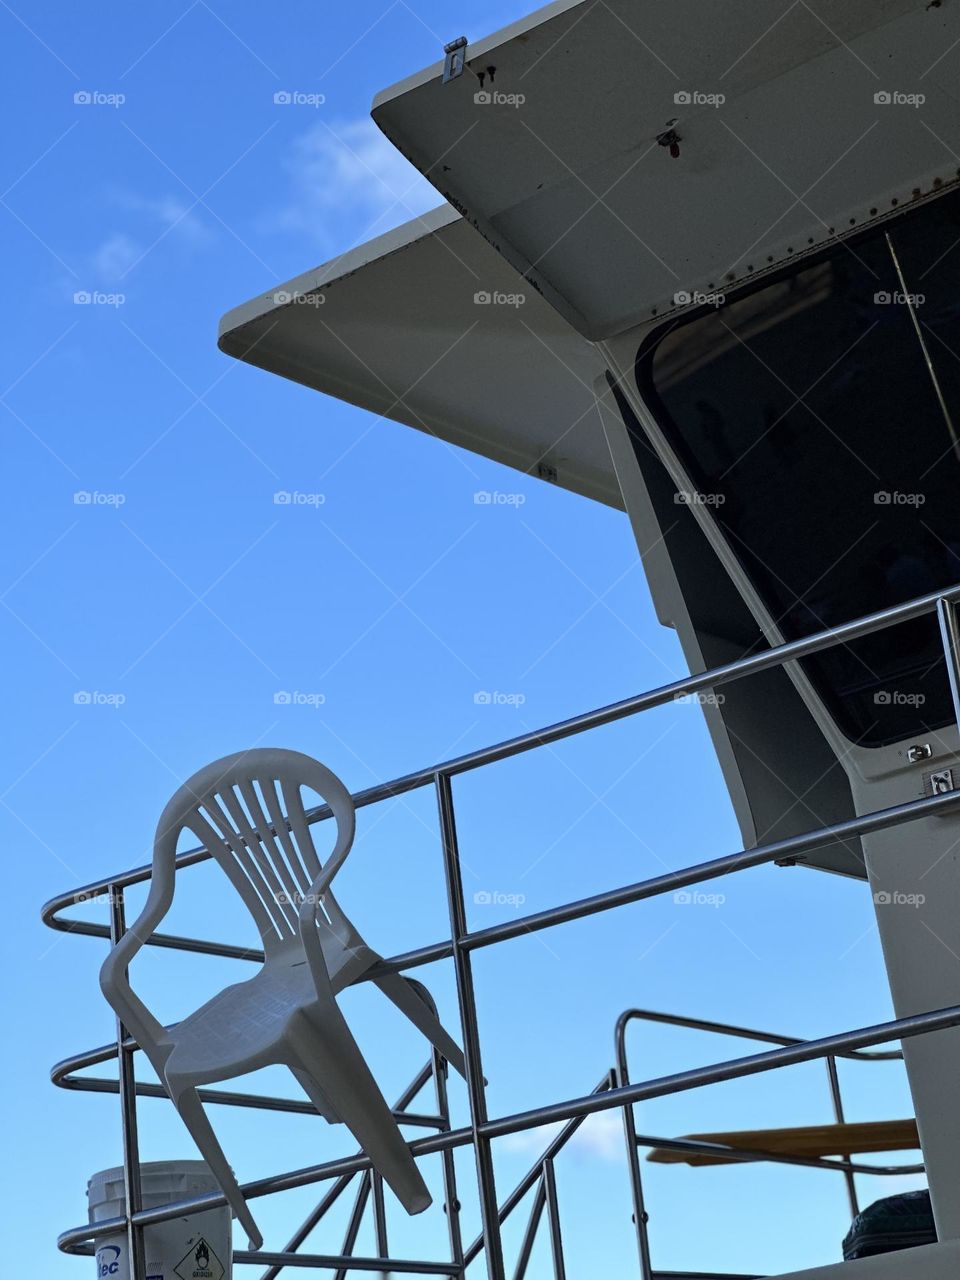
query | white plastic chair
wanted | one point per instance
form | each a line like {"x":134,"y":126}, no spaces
{"x":287,"y":1013}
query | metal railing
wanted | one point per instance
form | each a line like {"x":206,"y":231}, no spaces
{"x":634,"y":1141}
{"x":614,"y":1091}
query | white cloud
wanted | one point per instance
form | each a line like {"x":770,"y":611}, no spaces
{"x":600,"y":1137}
{"x":115,"y":256}
{"x":157,"y":220}
{"x":170,"y":213}
{"x":348,"y":172}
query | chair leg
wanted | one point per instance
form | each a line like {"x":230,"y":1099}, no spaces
{"x":408,"y":1000}
{"x":195,"y":1118}
{"x":325,"y":1048}
{"x":316,"y":1095}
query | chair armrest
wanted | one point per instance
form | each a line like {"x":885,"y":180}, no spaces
{"x":136,"y":1018}
{"x":329,"y":786}
{"x":309,"y":933}
{"x":114,"y":982}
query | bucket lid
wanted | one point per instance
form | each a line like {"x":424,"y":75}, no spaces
{"x":157,"y":1177}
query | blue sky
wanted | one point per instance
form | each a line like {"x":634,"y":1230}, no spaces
{"x":183,"y":600}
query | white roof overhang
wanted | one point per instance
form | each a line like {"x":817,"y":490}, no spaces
{"x":565,"y":164}
{"x":399,"y":326}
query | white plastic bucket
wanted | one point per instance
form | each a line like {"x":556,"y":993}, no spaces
{"x":198,"y":1247}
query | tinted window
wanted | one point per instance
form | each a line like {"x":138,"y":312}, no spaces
{"x":816,"y":416}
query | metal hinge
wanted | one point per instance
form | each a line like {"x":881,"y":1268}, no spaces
{"x":455,"y":59}
{"x":939,"y":782}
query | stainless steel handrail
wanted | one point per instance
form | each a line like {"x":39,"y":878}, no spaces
{"x":62,"y":1073}
{"x":482,"y":1130}
{"x":723,"y":1029}
{"x":740,"y":1154}
{"x":742,"y":667}
{"x":552,"y":1113}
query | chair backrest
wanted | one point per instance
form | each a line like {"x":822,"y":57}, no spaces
{"x":247,"y":810}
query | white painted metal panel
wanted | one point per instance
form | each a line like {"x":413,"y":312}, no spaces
{"x":396,"y":327}
{"x":563,"y":173}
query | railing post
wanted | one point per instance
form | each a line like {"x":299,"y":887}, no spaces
{"x":489,"y":1211}
{"x":621,"y":1076}
{"x":356,"y":1218}
{"x":128,"y":1112}
{"x":451,"y":1200}
{"x":553,"y":1220}
{"x":837,"y":1097}
{"x":380,"y":1219}
{"x":530,"y":1234}
{"x":950,"y":635}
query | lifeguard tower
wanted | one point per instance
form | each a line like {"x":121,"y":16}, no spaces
{"x":704,"y":267}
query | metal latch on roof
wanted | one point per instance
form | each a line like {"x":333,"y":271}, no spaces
{"x":456,"y":59}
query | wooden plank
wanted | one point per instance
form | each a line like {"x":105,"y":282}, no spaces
{"x":810,"y":1140}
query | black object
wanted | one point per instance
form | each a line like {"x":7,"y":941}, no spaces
{"x":897,"y":1222}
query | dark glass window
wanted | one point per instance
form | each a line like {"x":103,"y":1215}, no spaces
{"x":816,"y":417}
